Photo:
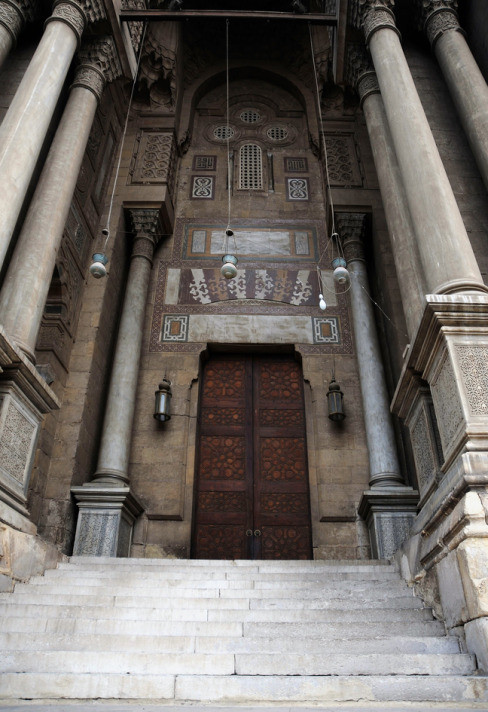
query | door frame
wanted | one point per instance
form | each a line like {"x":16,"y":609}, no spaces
{"x":258,"y":350}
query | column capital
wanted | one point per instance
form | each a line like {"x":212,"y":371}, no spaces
{"x":77,"y":14}
{"x":351,"y":228}
{"x":372,"y":15}
{"x":98,"y":64}
{"x":436,"y":17}
{"x":14,"y":14}
{"x":148,"y":230}
{"x":359,"y":71}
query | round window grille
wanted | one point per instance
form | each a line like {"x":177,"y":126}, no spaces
{"x":250,"y":116}
{"x":223,"y":132}
{"x":277,"y":133}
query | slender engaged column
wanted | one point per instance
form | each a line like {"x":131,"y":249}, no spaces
{"x":26,"y":285}
{"x":27,"y":120}
{"x":107,"y":507}
{"x":383,"y":460}
{"x":113,"y":458}
{"x":13,"y":15}
{"x":388,"y":507}
{"x":466,"y":83}
{"x":448,"y":261}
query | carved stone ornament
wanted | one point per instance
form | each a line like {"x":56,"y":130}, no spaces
{"x":78,"y":13}
{"x":158,"y":64}
{"x":439,"y":22}
{"x":102,"y":54}
{"x":359,"y":8}
{"x":11,"y":18}
{"x":147,"y":226}
{"x":350,"y":227}
{"x":359,"y":71}
{"x":90,"y":77}
{"x":367,"y":85}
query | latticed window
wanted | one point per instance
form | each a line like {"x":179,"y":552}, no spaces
{"x":250,"y":167}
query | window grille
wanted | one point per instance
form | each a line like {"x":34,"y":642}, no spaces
{"x":223,"y":132}
{"x":250,"y":167}
{"x":277,"y":133}
{"x":250,"y":116}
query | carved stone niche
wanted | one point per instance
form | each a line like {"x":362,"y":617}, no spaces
{"x":425,"y":439}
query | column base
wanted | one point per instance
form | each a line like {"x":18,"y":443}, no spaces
{"x":24,"y":398}
{"x":105,"y":520}
{"x":389,"y":513}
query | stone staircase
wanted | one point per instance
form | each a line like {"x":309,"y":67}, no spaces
{"x":256,"y":632}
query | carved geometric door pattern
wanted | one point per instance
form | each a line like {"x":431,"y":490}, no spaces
{"x":252,"y":494}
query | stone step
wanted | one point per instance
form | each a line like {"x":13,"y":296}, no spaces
{"x":229,"y":644}
{"x":246,"y":689}
{"x":78,"y":625}
{"x":27,"y":593}
{"x":103,"y":562}
{"x":134,"y":608}
{"x":75,"y":625}
{"x":68,"y":661}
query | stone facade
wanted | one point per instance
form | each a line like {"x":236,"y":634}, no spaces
{"x":286,"y":152}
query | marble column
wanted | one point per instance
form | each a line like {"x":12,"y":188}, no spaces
{"x":26,"y":285}
{"x":107,"y":507}
{"x":389,"y":506}
{"x":466,"y":83}
{"x":27,"y":120}
{"x":448,"y":261}
{"x":13,"y":15}
{"x":402,"y":235}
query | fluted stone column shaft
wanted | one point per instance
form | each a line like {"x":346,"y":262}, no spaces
{"x":113,"y":458}
{"x":399,"y":221}
{"x":26,"y":122}
{"x":469,"y":91}
{"x":448,"y":260}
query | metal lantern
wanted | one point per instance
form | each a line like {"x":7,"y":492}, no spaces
{"x":162,"y":405}
{"x":341,"y":275}
{"x":335,"y":401}
{"x":97,"y":267}
{"x":229,"y":269}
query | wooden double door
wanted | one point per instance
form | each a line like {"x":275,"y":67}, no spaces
{"x":252,"y":494}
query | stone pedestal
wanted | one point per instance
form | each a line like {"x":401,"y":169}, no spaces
{"x":450,"y":534}
{"x":389,"y":513}
{"x":105,"y":520}
{"x":24,"y":399}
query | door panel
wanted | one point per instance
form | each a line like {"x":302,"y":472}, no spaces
{"x":252,"y":498}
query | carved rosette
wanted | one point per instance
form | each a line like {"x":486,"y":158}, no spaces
{"x":148,"y":230}
{"x":351,"y":228}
